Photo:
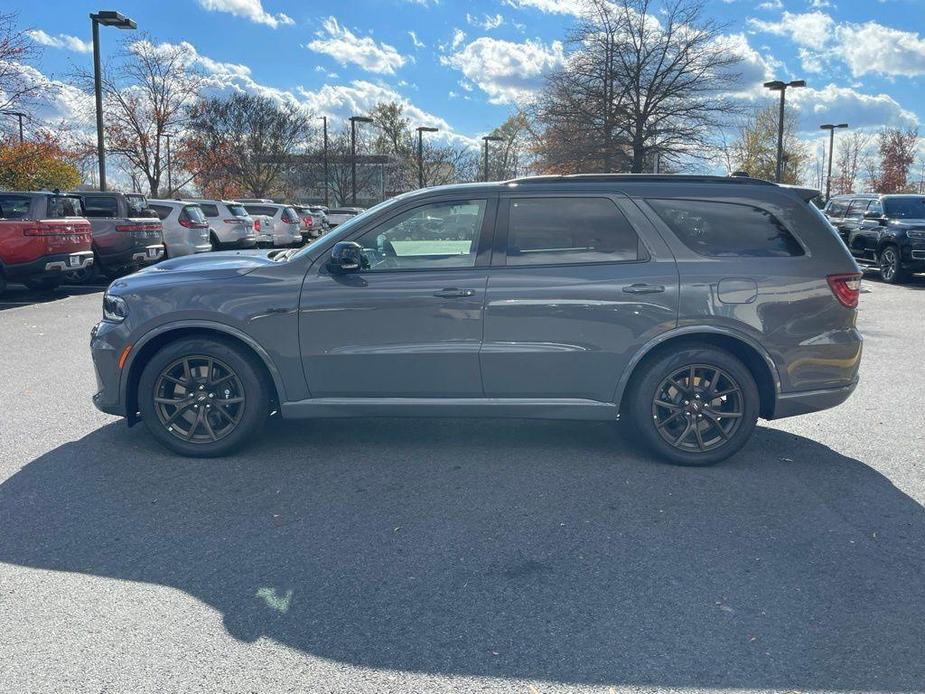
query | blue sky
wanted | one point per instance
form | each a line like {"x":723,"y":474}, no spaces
{"x":464,"y":65}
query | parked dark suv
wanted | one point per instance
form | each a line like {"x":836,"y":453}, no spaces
{"x":882,"y":231}
{"x":689,"y":306}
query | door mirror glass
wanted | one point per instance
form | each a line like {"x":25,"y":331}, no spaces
{"x":347,"y":256}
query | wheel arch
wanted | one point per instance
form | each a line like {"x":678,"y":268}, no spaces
{"x":152,"y":341}
{"x":755,"y":358}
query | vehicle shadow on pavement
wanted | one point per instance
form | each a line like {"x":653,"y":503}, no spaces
{"x":546,"y":550}
{"x":17,"y":295}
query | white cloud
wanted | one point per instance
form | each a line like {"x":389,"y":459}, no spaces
{"x":486,"y":22}
{"x":834,"y":104}
{"x":504,"y":70}
{"x":874,"y":48}
{"x":248,"y":9}
{"x":71,"y":43}
{"x":808,"y":29}
{"x":416,"y":41}
{"x":771,"y":5}
{"x":572,"y":7}
{"x":346,"y":47}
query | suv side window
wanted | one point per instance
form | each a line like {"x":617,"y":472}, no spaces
{"x":101,"y":206}
{"x":876,"y":207}
{"x":857,"y":207}
{"x":573,"y":230}
{"x":435,"y":236}
{"x":208,"y":209}
{"x":163,"y":211}
{"x":722,"y":229}
{"x":837,"y":208}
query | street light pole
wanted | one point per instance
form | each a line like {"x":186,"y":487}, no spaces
{"x":20,"y":116}
{"x":828,"y":179}
{"x":421,"y":130}
{"x":486,"y":139}
{"x":779,"y":86}
{"x":169,"y":177}
{"x":326,"y":186}
{"x":353,"y":154}
{"x":107,"y":18}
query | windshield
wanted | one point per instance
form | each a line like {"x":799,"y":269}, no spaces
{"x":344,"y":228}
{"x":904,"y":208}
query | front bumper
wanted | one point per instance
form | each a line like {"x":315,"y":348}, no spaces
{"x":804,"y":402}
{"x":106,"y":345}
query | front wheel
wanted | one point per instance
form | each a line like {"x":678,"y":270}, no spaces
{"x":891,"y":268}
{"x":694,"y":406}
{"x":203,"y":397}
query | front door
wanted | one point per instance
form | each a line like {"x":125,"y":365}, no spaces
{"x":574,"y":291}
{"x":409,"y":323}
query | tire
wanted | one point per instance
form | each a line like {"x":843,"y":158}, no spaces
{"x":2,"y":283}
{"x":206,"y":422}
{"x":695,"y":430}
{"x":891,"y":267}
{"x":43,"y":284}
{"x":216,"y":244}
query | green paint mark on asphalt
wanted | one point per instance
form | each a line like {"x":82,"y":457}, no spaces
{"x":274,"y":601}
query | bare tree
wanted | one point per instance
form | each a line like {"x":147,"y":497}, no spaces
{"x":897,"y":155}
{"x":755,"y":148}
{"x":16,"y":50}
{"x":642,"y":78}
{"x":147,"y":93}
{"x":511,"y":156}
{"x":246,"y":139}
{"x":848,"y":162}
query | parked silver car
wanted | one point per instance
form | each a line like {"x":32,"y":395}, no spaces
{"x":339,"y":215}
{"x":186,"y":230}
{"x":284,"y":222}
{"x":229,"y":223}
{"x":314,"y":222}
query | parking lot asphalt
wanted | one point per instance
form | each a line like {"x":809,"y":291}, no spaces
{"x":389,"y":555}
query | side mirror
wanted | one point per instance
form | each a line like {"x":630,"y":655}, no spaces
{"x":875,"y":216}
{"x":347,"y":256}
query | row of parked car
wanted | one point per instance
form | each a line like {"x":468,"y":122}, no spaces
{"x":47,"y":238}
{"x":883,"y":232}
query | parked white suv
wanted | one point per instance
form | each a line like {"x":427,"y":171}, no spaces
{"x":230,"y":224}
{"x":186,"y":230}
{"x":285,"y":222}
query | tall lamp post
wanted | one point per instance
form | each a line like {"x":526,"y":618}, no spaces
{"x":326,"y":185}
{"x":169,"y":177}
{"x":108,"y":18}
{"x":828,"y":178}
{"x":421,"y":130}
{"x":486,"y":139}
{"x":18,"y":115}
{"x":779,"y":86}
{"x":353,"y":154}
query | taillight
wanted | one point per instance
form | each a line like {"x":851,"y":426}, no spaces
{"x":309,"y":221}
{"x":256,"y":225}
{"x":53,"y":230}
{"x":846,"y":288}
{"x":138,"y":227}
{"x":186,"y":223}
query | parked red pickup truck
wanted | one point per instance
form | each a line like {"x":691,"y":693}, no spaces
{"x":42,"y":235}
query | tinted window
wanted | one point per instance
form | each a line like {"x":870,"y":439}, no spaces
{"x":14,"y":206}
{"x":64,"y":206}
{"x":857,"y":207}
{"x":208,"y":209}
{"x":905,"y":208}
{"x":163,"y":211}
{"x":837,"y":208}
{"x":568,"y":230}
{"x":440,"y":235}
{"x":101,"y":206}
{"x":136,"y":204}
{"x":194,"y":214}
{"x":720,"y":229}
{"x":237,"y":210}
{"x":875,"y":207}
{"x":261,"y":209}
{"x":338,"y":211}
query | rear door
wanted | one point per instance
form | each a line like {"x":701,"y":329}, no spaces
{"x":577,"y":284}
{"x":409,"y":324}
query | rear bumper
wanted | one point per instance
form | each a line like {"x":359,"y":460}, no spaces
{"x":50,"y":265}
{"x":136,"y":256}
{"x":804,"y":402}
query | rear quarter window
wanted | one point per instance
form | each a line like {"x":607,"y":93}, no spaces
{"x":237,"y":210}
{"x":64,"y":206}
{"x":727,"y":230}
{"x":163,"y":211}
{"x":15,"y":206}
{"x":101,"y":206}
{"x":208,"y":209}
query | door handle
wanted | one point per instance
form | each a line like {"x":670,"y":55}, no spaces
{"x":644,"y":289}
{"x":454,"y":293}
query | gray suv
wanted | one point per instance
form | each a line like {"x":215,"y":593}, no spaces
{"x":689,"y":306}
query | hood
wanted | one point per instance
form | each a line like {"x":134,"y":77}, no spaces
{"x":208,"y":265}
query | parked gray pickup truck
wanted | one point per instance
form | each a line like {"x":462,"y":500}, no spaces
{"x":127,"y":234}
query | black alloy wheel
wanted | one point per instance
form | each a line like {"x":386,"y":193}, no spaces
{"x":199,"y":399}
{"x":698,"y":408}
{"x":890,"y":265}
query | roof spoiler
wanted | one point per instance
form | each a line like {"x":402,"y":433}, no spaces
{"x":805,"y":194}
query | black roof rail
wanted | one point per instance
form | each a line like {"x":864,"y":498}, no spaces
{"x":639,"y":178}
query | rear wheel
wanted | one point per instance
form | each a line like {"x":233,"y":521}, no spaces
{"x":891,"y":269}
{"x":43,"y":284}
{"x":216,"y":244}
{"x":203,"y":397}
{"x":695,"y":406}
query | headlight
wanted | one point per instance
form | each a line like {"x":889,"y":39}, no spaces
{"x":115,"y":309}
